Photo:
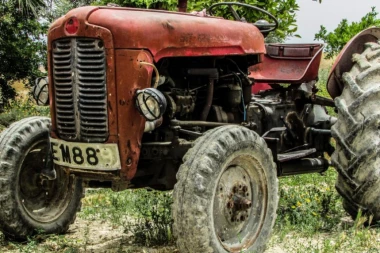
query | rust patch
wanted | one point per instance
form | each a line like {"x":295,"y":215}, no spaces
{"x":168,"y":26}
{"x":131,"y":124}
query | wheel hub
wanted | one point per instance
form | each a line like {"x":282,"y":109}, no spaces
{"x":233,"y":203}
{"x":32,"y":185}
{"x":238,"y":203}
{"x":43,"y":199}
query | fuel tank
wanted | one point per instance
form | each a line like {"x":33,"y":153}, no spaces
{"x":167,"y":34}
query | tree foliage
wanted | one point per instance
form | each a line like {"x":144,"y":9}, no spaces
{"x":22,"y":44}
{"x":59,"y":8}
{"x":344,"y":32}
{"x":27,"y":6}
{"x":284,"y":10}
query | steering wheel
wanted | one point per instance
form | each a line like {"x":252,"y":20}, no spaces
{"x":264,"y":28}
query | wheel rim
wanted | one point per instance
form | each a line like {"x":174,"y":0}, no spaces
{"x":240,"y":202}
{"x":43,"y":200}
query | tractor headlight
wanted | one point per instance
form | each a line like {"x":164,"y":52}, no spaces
{"x":151,"y":103}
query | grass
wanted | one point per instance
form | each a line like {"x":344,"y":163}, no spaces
{"x":144,"y":213}
{"x":309,"y":216}
{"x":19,"y":109}
{"x":309,"y":219}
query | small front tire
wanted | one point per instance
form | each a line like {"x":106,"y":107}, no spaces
{"x":226,"y":198}
{"x":30,"y":203}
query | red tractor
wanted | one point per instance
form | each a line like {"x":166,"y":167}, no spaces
{"x":148,"y":98}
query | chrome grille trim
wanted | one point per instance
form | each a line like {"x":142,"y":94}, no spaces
{"x":79,"y":73}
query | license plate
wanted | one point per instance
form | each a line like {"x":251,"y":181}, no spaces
{"x":85,"y":155}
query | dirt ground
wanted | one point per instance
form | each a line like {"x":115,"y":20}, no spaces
{"x":86,"y":236}
{"x":95,"y":237}
{"x":103,"y":237}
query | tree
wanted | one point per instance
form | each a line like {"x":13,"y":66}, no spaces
{"x":22,"y":43}
{"x":58,"y":8}
{"x":27,"y":6}
{"x":344,"y":32}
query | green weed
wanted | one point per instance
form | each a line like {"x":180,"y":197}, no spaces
{"x":308,"y":204}
{"x":310,"y":218}
{"x":19,"y":109}
{"x":153,"y":224}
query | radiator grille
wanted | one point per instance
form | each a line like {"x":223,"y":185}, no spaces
{"x":79,"y":74}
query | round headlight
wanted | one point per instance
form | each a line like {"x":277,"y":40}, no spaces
{"x":151,"y":103}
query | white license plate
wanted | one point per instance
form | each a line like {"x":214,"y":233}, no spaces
{"x":85,"y":155}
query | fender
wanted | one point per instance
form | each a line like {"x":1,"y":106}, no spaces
{"x":343,"y":62}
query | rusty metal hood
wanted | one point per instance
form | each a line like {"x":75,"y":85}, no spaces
{"x":171,"y":34}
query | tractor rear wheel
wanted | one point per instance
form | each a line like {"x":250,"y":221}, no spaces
{"x":226,"y":198}
{"x":357,"y":136}
{"x":29,"y":202}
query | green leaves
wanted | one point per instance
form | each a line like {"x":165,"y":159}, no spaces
{"x":344,"y":32}
{"x":22,"y":43}
{"x":30,"y":6}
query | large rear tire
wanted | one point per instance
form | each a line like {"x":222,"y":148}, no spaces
{"x":30,"y":203}
{"x":357,"y":135}
{"x":226,"y":198}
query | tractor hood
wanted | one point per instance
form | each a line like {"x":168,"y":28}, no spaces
{"x":166,"y":34}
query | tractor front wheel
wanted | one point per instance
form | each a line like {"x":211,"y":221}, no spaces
{"x":29,"y":202}
{"x":225,"y":199}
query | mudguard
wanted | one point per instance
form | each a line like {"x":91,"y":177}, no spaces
{"x":343,"y":62}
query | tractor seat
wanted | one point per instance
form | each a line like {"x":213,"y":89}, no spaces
{"x":288,"y":63}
